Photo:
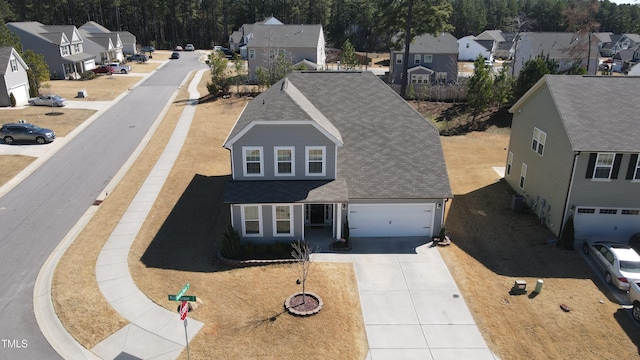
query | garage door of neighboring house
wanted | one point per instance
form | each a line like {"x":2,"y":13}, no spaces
{"x":21,"y":93}
{"x":384,"y":220}
{"x":598,"y":223}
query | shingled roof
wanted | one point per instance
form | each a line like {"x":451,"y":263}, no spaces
{"x":599,"y":113}
{"x":390,"y":151}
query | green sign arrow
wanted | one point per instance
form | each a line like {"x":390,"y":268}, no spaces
{"x":182,"y":298}
{"x":184,"y":290}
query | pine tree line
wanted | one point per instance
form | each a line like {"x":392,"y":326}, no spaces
{"x":165,"y":23}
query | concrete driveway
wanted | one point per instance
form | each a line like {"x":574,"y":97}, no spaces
{"x":411,"y":306}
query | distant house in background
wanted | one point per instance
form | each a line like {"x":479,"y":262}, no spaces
{"x":61,"y":45}
{"x":297,"y":43}
{"x":469,"y":48}
{"x":13,"y":77}
{"x":239,"y":39}
{"x":567,"y":49}
{"x":127,"y":39}
{"x":105,"y":47}
{"x":615,"y":43}
{"x":503,"y":43}
{"x":431,"y":60}
{"x":570,"y":155}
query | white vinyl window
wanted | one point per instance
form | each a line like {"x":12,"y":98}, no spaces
{"x":539,"y":139}
{"x":282,"y":220}
{"x":509,"y":162}
{"x":604,"y":166}
{"x":282,"y":52}
{"x":252,"y":53}
{"x":428,"y":58}
{"x":284,"y":164}
{"x":315,"y":160}
{"x":65,"y":50}
{"x":441,"y":77}
{"x":523,"y":175}
{"x":14,"y":65}
{"x":251,"y":220}
{"x":399,"y":58}
{"x":252,"y":161}
{"x":419,"y":79}
{"x":636,"y":174}
{"x":417,"y":58}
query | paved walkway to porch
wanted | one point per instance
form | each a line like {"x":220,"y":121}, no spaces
{"x":411,"y":306}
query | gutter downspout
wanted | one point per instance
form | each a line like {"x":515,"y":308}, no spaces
{"x":566,"y":200}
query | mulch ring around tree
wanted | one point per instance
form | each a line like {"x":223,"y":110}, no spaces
{"x":303,"y":305}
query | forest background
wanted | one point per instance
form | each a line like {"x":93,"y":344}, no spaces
{"x":204,"y":23}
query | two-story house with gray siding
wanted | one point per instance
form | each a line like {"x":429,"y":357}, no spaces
{"x":13,"y":77}
{"x":61,"y":46}
{"x":431,"y":60}
{"x":296,"y":43}
{"x":567,"y":49}
{"x":569,"y":155}
{"x":324,"y":149}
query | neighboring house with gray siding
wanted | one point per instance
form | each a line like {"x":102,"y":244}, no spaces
{"x":569,"y":155}
{"x":431,"y":60}
{"x":295,"y":43}
{"x":61,"y":46}
{"x":13,"y":77}
{"x":567,"y":49}
{"x":124,"y":42}
{"x":303,"y":157}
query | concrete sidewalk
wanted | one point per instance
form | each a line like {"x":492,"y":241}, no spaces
{"x":154,"y":332}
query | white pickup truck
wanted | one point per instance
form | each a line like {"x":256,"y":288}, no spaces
{"x":119,"y":68}
{"x":634,"y":297}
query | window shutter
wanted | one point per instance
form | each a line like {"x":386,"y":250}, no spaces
{"x":632,"y":166}
{"x":616,"y":166}
{"x":591,"y":165}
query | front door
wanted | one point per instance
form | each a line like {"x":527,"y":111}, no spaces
{"x":317,"y":214}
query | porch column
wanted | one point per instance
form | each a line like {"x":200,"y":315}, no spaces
{"x":338,"y":220}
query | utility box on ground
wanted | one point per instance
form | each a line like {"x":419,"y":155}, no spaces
{"x":518,"y":203}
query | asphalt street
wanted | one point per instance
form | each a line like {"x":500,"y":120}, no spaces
{"x":37,"y":214}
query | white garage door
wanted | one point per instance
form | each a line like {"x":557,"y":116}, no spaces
{"x":615,"y":224}
{"x":383,"y":220}
{"x":21,"y":93}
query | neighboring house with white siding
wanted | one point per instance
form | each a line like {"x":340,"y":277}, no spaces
{"x":13,"y":77}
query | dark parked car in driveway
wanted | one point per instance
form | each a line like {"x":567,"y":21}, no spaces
{"x":25,"y":132}
{"x":104,"y":69}
{"x":138,"y":58}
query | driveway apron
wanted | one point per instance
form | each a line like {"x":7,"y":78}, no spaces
{"x":411,"y":306}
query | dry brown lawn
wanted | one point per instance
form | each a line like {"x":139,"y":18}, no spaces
{"x":494,"y":246}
